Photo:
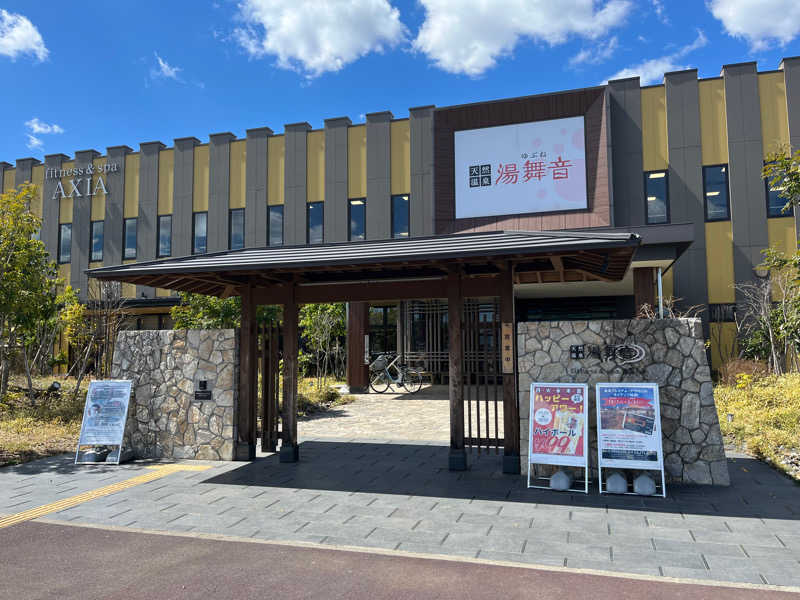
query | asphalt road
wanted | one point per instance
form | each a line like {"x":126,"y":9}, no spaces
{"x":43,"y":560}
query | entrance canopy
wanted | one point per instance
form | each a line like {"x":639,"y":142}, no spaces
{"x":390,"y":269}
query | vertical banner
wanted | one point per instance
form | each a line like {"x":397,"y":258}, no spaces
{"x":558,"y":426}
{"x":104,"y":416}
{"x":629,"y":428}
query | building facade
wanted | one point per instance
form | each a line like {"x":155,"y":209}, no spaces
{"x":678,"y":163}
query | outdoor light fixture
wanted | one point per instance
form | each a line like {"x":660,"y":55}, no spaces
{"x":760,"y":272}
{"x":658,"y":175}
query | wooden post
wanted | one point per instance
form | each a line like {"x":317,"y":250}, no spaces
{"x":248,"y":376}
{"x":289,"y":448}
{"x":455,"y":308}
{"x":643,"y":289}
{"x":357,"y":328}
{"x":511,"y":455}
{"x":269,"y":342}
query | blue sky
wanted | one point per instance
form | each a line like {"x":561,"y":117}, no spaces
{"x":83,"y":75}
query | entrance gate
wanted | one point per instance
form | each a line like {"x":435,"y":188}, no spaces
{"x":483,"y":382}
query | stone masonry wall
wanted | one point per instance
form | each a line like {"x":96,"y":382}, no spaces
{"x":165,"y":420}
{"x":674,"y":357}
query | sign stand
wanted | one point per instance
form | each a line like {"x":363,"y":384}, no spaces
{"x":104,"y":416}
{"x":629,"y":430}
{"x":558,"y":429}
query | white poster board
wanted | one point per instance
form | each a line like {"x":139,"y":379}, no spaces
{"x":629,"y":428}
{"x":558,"y":427}
{"x":104,"y":416}
{"x":533,"y":167}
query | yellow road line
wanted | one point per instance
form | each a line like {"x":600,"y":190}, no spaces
{"x":156,"y":472}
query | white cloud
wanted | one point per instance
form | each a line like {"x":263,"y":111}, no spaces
{"x":468,"y":36}
{"x":34,"y":143}
{"x":37,"y":126}
{"x":658,"y":8}
{"x":316,"y":36}
{"x":760,"y":22}
{"x":652,"y":70}
{"x":597,"y":54}
{"x":19,"y":36}
{"x":164,"y":70}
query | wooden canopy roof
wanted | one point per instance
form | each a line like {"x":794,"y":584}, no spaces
{"x":338,"y":271}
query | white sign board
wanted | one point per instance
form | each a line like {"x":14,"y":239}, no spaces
{"x":105,"y":414}
{"x":531,"y":167}
{"x":629,"y":427}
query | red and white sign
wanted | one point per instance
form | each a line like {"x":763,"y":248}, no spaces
{"x":558,"y":424}
{"x":524,"y":168}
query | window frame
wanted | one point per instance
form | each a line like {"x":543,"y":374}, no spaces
{"x":308,"y":224}
{"x":270,"y":209}
{"x":666,"y":199}
{"x":61,"y":228}
{"x":158,"y":236}
{"x":705,"y":198}
{"x":392,"y":213}
{"x":350,"y":222}
{"x":788,"y":213}
{"x":231,"y":212}
{"x":125,"y":222}
{"x":92,"y":224}
{"x":194,"y":231}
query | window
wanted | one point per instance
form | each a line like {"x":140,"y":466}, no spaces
{"x":382,"y":329}
{"x":199,"y":233}
{"x":775,"y":202}
{"x":400,"y":216}
{"x":129,"y":238}
{"x":314,"y":212}
{"x":236,"y":229}
{"x":275,"y":226}
{"x":656,"y":192}
{"x":715,"y":190}
{"x":65,"y":243}
{"x":164,"y":236}
{"x":358,"y":219}
{"x":97,"y":241}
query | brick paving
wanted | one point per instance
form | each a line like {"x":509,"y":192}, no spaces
{"x":395,"y":494}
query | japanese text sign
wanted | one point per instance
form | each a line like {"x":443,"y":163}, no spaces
{"x":559,"y":414}
{"x":105,"y":413}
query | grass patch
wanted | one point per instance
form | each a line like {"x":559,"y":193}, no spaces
{"x":765,"y":418}
{"x":312,"y":399}
{"x":50,"y":426}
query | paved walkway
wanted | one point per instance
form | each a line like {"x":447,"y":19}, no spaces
{"x":55,"y":561}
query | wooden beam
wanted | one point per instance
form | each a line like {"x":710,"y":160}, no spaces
{"x":248,"y":375}
{"x":290,"y":451}
{"x":357,"y":328}
{"x":511,"y":443}
{"x":455,"y":311}
{"x":644,"y":291}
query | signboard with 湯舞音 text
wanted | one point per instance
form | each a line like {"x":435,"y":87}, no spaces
{"x":104,"y":415}
{"x":558,"y":435}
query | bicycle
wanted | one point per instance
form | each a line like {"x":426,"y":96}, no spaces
{"x":381,"y":377}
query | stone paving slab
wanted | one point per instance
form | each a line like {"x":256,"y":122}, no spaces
{"x":345,"y":494}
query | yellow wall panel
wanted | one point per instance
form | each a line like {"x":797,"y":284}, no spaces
{"x":64,"y":272}
{"x":8,"y":179}
{"x":166,"y":181}
{"x":65,"y":208}
{"x":315,"y":166}
{"x":719,"y":262}
{"x":357,"y":162}
{"x":723,"y":343}
{"x":238,"y":176}
{"x":774,"y":116}
{"x":401,"y":157}
{"x":655,"y":152}
{"x":713,"y":122}
{"x":131,"y":208}
{"x":668,"y":284}
{"x":782,"y":234}
{"x":38,"y":180}
{"x":162,"y":293}
{"x":200,"y":189}
{"x":99,"y":199}
{"x":128,"y":289}
{"x":276,"y":151}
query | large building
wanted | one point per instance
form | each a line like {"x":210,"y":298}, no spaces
{"x":677,"y":163}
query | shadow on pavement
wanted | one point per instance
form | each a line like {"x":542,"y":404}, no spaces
{"x":756,"y":490}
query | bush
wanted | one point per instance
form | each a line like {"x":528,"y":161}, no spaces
{"x":730,"y":370}
{"x":311,"y":399}
{"x":765,"y":417}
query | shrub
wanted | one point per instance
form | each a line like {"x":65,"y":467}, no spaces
{"x":311,"y":398}
{"x":729,"y":372}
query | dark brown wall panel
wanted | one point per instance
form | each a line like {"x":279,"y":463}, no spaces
{"x":588,"y":102}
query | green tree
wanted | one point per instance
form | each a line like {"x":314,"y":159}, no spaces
{"x":28,"y":280}
{"x":198,"y":311}
{"x":782,"y":171}
{"x":322,"y":326}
